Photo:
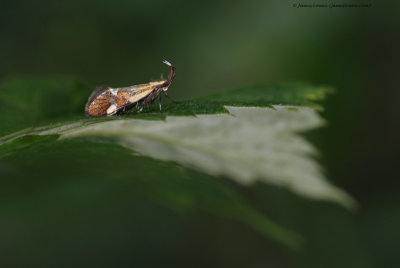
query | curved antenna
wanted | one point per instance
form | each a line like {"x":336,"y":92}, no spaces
{"x":167,"y":62}
{"x":171,"y":73}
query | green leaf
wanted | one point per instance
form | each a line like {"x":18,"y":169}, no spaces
{"x":246,"y":135}
{"x":249,"y":144}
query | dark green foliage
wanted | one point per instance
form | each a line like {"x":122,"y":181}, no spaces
{"x":31,"y":101}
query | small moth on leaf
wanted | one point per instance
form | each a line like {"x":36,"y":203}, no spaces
{"x":110,"y":101}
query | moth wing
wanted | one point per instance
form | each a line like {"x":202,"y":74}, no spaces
{"x":136,"y":93}
{"x":98,"y":102}
{"x":97,"y":92}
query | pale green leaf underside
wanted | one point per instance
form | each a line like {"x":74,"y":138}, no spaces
{"x":247,"y":145}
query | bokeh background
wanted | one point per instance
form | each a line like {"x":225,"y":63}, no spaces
{"x":223,"y":45}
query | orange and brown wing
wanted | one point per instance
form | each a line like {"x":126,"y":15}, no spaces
{"x":130,"y":95}
{"x":99,"y":102}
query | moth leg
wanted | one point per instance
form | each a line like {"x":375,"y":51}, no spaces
{"x":166,"y":94}
{"x":159,"y":101}
{"x":138,"y":107}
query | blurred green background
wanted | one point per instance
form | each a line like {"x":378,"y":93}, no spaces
{"x":218,"y":46}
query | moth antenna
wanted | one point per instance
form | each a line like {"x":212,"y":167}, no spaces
{"x":171,"y":73}
{"x":167,"y":62}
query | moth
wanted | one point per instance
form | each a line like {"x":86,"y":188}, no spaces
{"x":107,"y":101}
